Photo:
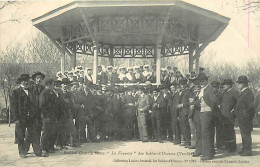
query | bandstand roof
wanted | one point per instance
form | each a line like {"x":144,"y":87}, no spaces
{"x":131,"y":23}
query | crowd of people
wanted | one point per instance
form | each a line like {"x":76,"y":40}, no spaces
{"x":185,"y":110}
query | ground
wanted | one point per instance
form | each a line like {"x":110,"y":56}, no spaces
{"x":126,"y":154}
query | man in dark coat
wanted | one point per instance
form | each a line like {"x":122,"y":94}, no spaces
{"x":245,"y":112}
{"x":48,"y":106}
{"x":183,"y":107}
{"x":158,"y":107}
{"x":228,"y":100}
{"x":217,"y":116}
{"x":102,"y":76}
{"x":35,"y":90}
{"x":24,"y":117}
{"x":175,"y":123}
{"x":128,"y":114}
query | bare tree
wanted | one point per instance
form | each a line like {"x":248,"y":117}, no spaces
{"x":4,"y":6}
{"x":252,"y":6}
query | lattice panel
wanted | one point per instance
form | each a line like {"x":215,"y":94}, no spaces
{"x":130,"y":51}
{"x":175,"y":49}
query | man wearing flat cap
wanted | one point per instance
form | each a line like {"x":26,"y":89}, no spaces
{"x":245,"y":112}
{"x":24,"y":117}
{"x":228,"y":100}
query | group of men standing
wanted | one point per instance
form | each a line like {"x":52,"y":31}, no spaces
{"x":187,"y":111}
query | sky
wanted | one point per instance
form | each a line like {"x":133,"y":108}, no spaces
{"x":236,"y":45}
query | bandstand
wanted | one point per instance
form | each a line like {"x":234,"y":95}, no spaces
{"x":131,"y":29}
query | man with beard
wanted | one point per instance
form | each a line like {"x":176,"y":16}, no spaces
{"x":24,"y":117}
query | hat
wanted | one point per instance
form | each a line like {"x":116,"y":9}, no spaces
{"x":79,"y":68}
{"x":183,"y":81}
{"x":36,"y":74}
{"x":57,"y":74}
{"x":145,"y":66}
{"x":242,"y":79}
{"x":202,"y":76}
{"x":215,"y":84}
{"x":109,"y":67}
{"x":70,"y":72}
{"x":65,"y":81}
{"x":157,"y":89}
{"x":163,"y":69}
{"x":74,"y":83}
{"x":58,"y":82}
{"x":227,"y":82}
{"x":23,"y":77}
{"x":201,"y":68}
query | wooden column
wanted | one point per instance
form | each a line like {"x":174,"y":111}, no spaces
{"x":95,"y":65}
{"x":111,"y":60}
{"x":191,"y":58}
{"x":197,"y":59}
{"x":74,"y":57}
{"x":62,"y":61}
{"x":158,"y":64}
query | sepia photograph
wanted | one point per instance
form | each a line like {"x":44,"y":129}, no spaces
{"x":129,"y":83}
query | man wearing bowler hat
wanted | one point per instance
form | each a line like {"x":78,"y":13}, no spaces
{"x":23,"y":116}
{"x":245,"y":112}
{"x":228,"y":100}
